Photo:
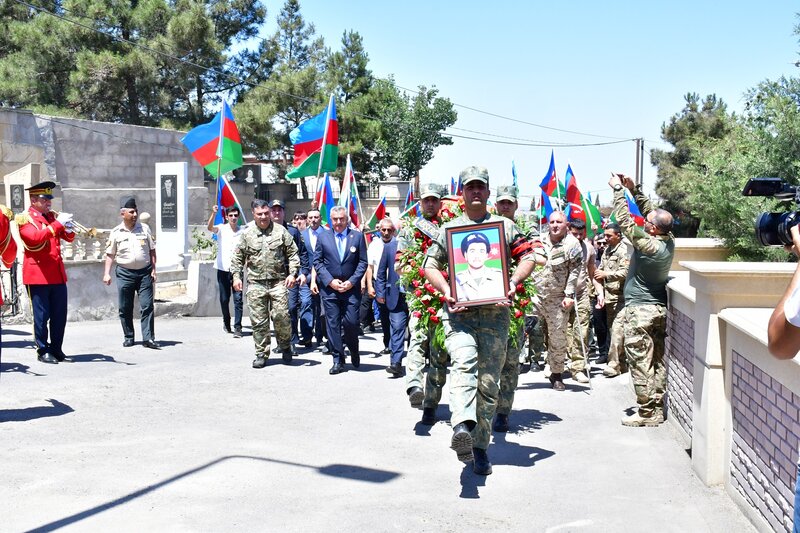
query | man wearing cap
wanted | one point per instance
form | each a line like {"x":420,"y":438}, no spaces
{"x":478,"y":281}
{"x":266,"y":248}
{"x":476,"y":337}
{"x":420,"y":234}
{"x":132,"y":247}
{"x":43,"y":269}
{"x":506,"y":205}
{"x":302,"y":275}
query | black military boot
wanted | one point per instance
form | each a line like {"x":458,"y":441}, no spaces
{"x":428,"y":416}
{"x":500,"y":423}
{"x":481,"y":464}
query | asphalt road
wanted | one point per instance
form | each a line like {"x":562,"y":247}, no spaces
{"x":191,"y":438}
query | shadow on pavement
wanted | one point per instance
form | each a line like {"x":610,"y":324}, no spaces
{"x":503,"y":452}
{"x":470,"y":481}
{"x":32,"y":413}
{"x":18,"y":367}
{"x":352,"y":472}
{"x":94,"y":358}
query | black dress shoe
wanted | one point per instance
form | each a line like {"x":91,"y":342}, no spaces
{"x":500,"y":423}
{"x":337,"y":368}
{"x":47,"y":357}
{"x":226,"y":328}
{"x":481,"y":466}
{"x":306,"y":344}
{"x":603,"y":359}
{"x":153,"y":345}
{"x":461,"y":443}
{"x":395,"y":370}
{"x":127,"y":343}
{"x":60,"y":357}
{"x":428,"y":416}
{"x":286,"y":355}
{"x":386,"y":351}
{"x":355,"y":359}
{"x":415,"y":396}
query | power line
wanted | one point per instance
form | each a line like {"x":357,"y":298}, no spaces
{"x":541,"y":145}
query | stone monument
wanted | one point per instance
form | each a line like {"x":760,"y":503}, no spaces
{"x":172,"y":219}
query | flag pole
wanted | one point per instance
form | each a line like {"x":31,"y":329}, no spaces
{"x":325,"y":134}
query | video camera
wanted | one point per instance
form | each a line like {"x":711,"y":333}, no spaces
{"x":772,"y":229}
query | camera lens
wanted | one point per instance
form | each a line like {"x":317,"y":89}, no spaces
{"x":772,"y":229}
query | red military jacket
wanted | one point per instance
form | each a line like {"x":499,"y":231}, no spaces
{"x":8,"y":246}
{"x":41,"y":236}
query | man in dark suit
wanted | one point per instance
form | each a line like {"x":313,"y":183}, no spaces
{"x":311,"y":324}
{"x":391,"y":298}
{"x":340,"y":259}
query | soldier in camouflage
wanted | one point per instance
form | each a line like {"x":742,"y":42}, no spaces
{"x":555,"y":296}
{"x":645,"y":292}
{"x":476,"y":337}
{"x":506,"y":205}
{"x":266,"y":249}
{"x":420,"y":345}
{"x":612,"y":273}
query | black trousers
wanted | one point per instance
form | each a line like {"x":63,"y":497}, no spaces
{"x":129,"y":283}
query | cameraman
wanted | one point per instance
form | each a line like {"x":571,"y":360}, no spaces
{"x":783,"y":334}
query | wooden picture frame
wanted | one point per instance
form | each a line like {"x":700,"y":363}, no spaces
{"x":477,"y":277}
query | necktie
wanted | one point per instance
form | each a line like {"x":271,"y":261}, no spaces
{"x":340,"y":245}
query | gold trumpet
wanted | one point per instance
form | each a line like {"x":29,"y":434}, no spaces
{"x":79,"y":228}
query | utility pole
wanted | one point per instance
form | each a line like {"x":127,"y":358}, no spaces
{"x":638,"y":176}
{"x":639,"y":161}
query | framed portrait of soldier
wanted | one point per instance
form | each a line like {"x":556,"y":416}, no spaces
{"x":169,"y":202}
{"x":17,"y":199}
{"x":478,"y":266}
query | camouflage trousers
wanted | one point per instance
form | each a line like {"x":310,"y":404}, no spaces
{"x":644,"y":329}
{"x":418,"y":346}
{"x":555,"y":320}
{"x":509,"y":375}
{"x":421,"y":345}
{"x":578,"y":337}
{"x":264,"y":300}
{"x":537,"y":339}
{"x":476,"y":341}
{"x":616,"y":347}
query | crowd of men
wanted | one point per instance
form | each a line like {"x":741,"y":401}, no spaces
{"x":319,"y":287}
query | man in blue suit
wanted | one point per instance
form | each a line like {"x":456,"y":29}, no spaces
{"x":390,"y":296}
{"x":340,"y":259}
{"x":311,"y":324}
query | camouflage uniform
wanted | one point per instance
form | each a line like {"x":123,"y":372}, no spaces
{"x":615,"y":264}
{"x":267,"y":253}
{"x":554,"y":282}
{"x":420,"y":345}
{"x":509,"y":375}
{"x":581,"y":313}
{"x":476,"y":341}
{"x":645,"y":293}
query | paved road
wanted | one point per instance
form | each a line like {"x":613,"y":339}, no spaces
{"x":191,"y":438}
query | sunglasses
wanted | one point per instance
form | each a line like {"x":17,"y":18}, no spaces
{"x":233,"y":215}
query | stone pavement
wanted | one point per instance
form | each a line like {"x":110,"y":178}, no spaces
{"x":191,"y":438}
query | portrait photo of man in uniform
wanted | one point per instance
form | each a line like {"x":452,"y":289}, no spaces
{"x":478,"y":272}
{"x":169,"y":203}
{"x":17,"y":198}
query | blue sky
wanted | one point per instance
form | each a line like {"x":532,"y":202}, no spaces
{"x":614,"y":70}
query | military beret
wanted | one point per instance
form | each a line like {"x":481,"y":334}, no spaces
{"x":127,"y":202}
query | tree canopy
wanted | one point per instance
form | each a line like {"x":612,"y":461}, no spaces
{"x":170,"y":63}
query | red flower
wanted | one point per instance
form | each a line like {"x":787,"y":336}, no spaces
{"x":518,"y":313}
{"x":417,"y":293}
{"x":524,"y":302}
{"x":520,"y":287}
{"x":435,"y":319}
{"x":445,"y":274}
{"x":429,"y":288}
{"x":417,"y":314}
{"x":442,"y":298}
{"x":416,"y":282}
{"x":421,"y":272}
{"x":432,"y":310}
{"x":417,"y":234}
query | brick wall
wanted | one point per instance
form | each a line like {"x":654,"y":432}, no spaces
{"x":678,"y":359}
{"x":765,"y":436}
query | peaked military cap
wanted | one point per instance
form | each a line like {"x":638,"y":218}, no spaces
{"x":44,"y":188}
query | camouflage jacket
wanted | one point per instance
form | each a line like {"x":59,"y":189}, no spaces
{"x":648,"y":273}
{"x":266,"y":254}
{"x":614,"y":263}
{"x":559,"y":277}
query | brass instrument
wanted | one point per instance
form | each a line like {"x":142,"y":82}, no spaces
{"x":79,"y":228}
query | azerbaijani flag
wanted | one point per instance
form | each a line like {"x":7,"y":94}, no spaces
{"x":348,"y":197}
{"x":226,"y":198}
{"x":550,"y":183}
{"x":316,"y":144}
{"x":545,"y":209}
{"x":409,"y":197}
{"x":378,"y":215}
{"x":574,"y":198}
{"x":594,"y":219}
{"x":216,"y":145}
{"x":324,"y":200}
{"x":632,"y":208}
{"x":452,"y":185}
{"x":513,"y":174}
{"x":413,"y":211}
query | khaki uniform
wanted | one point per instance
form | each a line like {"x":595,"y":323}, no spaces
{"x":557,"y":280}
{"x":476,"y":341}
{"x":615,"y":263}
{"x":645,"y":294}
{"x":581,"y":313}
{"x":266,"y":254}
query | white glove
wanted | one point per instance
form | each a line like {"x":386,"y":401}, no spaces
{"x":63,"y":218}
{"x":68,"y":227}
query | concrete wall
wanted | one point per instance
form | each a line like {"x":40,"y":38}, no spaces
{"x":95,"y":163}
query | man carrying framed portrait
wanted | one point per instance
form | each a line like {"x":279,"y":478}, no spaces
{"x":476,"y":330}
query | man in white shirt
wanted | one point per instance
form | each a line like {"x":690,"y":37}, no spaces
{"x":227,"y":236}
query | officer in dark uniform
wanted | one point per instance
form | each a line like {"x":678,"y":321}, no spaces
{"x":43,"y":269}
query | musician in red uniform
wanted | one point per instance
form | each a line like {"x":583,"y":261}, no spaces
{"x":43,"y":269}
{"x":8,"y":246}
